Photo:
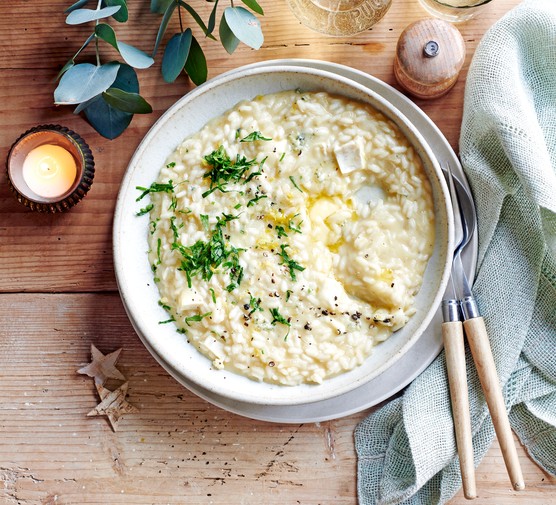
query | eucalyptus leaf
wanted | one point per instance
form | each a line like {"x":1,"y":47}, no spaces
{"x":160,"y":6}
{"x":122,"y":15}
{"x":163,"y":25}
{"x":254,"y":6}
{"x":131,"y":55}
{"x":196,"y":64}
{"x":76,"y":5}
{"x":135,"y":57}
{"x":84,"y":81}
{"x":126,"y":102}
{"x":80,"y":16}
{"x":107,"y":120}
{"x":175,"y":55}
{"x":104,"y":118}
{"x":245,"y":26}
{"x":126,"y":79}
{"x":212,"y":18}
{"x":107,"y":33}
{"x":227,"y":38}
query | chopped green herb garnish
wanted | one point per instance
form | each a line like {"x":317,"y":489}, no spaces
{"x":220,"y":187}
{"x":237,"y":206}
{"x":255,"y":304}
{"x":295,"y":227}
{"x":174,"y":228}
{"x":236,"y":270}
{"x":153,"y":224}
{"x":254,"y":136}
{"x":281,"y":231}
{"x":279,"y":318}
{"x":145,"y":210}
{"x":282,"y":157}
{"x":183,"y":331}
{"x":164,"y":306}
{"x":172,"y":164}
{"x":253,"y":201}
{"x":212,"y":295}
{"x":223,"y":170}
{"x":173,"y":203}
{"x":258,"y":172}
{"x":158,"y":247}
{"x":196,"y":318}
{"x":289,"y":262}
{"x":288,"y":294}
{"x":167,"y":321}
{"x":295,"y":184}
{"x":226,"y":218}
{"x":155,"y":187}
{"x":204,"y":257}
{"x":205,"y":221}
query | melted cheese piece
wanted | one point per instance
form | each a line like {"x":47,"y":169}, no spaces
{"x":350,"y":156}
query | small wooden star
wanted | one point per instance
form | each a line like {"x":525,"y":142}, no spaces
{"x":102,"y":367}
{"x":113,"y":404}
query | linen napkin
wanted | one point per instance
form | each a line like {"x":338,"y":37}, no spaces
{"x":406,"y":450}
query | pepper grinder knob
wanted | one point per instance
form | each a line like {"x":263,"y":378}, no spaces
{"x":429,"y":56}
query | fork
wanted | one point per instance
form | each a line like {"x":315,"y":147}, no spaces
{"x":454,"y":349}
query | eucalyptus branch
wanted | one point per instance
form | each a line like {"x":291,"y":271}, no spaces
{"x":108,"y":93}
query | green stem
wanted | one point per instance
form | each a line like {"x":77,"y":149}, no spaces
{"x":179,"y":16}
{"x":96,"y":37}
{"x":97,"y":51}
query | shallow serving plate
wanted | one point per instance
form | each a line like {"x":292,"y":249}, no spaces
{"x":135,"y":280}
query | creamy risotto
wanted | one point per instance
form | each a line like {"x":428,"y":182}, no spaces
{"x":290,"y":236}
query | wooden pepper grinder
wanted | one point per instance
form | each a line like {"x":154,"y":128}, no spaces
{"x":429,"y":57}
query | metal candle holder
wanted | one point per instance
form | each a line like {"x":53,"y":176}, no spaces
{"x":59,"y":136}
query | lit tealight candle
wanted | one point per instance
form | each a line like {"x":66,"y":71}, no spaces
{"x":49,"y":171}
{"x":50,"y":168}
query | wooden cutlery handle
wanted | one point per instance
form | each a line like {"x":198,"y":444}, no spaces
{"x":482,"y":355}
{"x":452,"y":334}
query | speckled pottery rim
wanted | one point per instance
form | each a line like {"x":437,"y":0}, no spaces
{"x":135,"y":280}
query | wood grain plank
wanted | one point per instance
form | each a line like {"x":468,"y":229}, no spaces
{"x":177,"y":446}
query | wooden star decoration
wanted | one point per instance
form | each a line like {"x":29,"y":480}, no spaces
{"x":113,"y":404}
{"x":102,"y":367}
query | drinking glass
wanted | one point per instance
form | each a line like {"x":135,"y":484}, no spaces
{"x":455,"y":11}
{"x":339,"y":17}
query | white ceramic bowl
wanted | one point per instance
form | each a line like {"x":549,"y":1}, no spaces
{"x":135,"y":279}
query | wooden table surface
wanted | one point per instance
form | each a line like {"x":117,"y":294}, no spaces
{"x":58,"y":295}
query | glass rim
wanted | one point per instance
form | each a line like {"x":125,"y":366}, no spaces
{"x":479,"y":4}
